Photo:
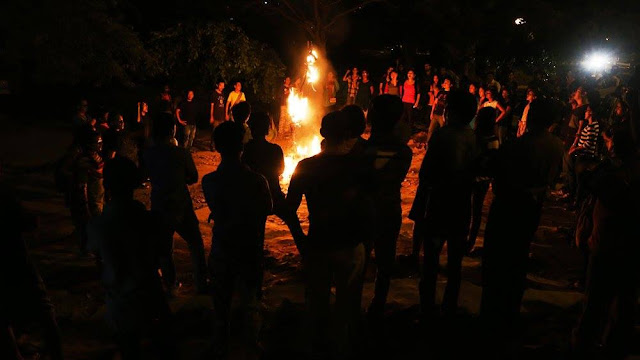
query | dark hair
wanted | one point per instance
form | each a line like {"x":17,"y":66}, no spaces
{"x":485,"y":121}
{"x":334,"y":127}
{"x":385,"y":113}
{"x":163,"y":125}
{"x":219,"y":81}
{"x":241,"y":112}
{"x":259,"y":124}
{"x":227,"y":138}
{"x":461,"y":108}
{"x":540,"y":115}
{"x":355,"y":120}
{"x":121,"y":176}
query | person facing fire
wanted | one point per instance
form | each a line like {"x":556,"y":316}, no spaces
{"x":241,"y":114}
{"x":124,"y":238}
{"x":217,"y":111}
{"x":171,"y":169}
{"x":235,"y":97}
{"x":240,"y":202}
{"x":87,"y":193}
{"x":340,"y":221}
{"x":391,"y":159}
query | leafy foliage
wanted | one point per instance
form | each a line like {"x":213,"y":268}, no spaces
{"x":203,"y":53}
{"x":71,"y":42}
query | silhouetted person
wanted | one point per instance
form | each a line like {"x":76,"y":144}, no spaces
{"x":444,"y":205}
{"x":357,"y":123}
{"x":607,"y":321}
{"x":241,"y":114}
{"x":25,"y":299}
{"x":524,"y":171}
{"x":488,"y":144}
{"x":391,"y":159}
{"x":124,"y":238}
{"x":340,"y":221}
{"x":171,"y":169}
{"x":240,"y":202}
{"x":86,"y":195}
{"x":118,"y":140}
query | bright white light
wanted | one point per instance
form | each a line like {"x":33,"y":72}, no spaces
{"x":520,"y":21}
{"x":597,"y":62}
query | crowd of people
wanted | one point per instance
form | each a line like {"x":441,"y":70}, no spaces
{"x":479,"y":136}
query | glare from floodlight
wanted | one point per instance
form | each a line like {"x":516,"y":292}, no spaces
{"x":598,"y":62}
{"x":520,"y":21}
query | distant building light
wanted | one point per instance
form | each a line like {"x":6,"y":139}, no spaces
{"x":520,"y":21}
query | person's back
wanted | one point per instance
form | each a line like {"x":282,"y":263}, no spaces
{"x":239,"y":200}
{"x":449,"y":159}
{"x":391,"y":161}
{"x":171,"y":169}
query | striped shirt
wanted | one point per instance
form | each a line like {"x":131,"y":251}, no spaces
{"x":589,"y":138}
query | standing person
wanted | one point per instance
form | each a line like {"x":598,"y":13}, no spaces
{"x":492,"y":83}
{"x":165,"y":100}
{"x":439,"y":104}
{"x":340,"y":221}
{"x":171,"y":169}
{"x":488,"y":144}
{"x":187,"y":115}
{"x":123,"y":238}
{"x":410,"y":98}
{"x":143,"y":120}
{"x":284,"y":123}
{"x":393,"y":86}
{"x":235,"y":98}
{"x":576,"y":120}
{"x":330,"y":93}
{"x":118,"y":141}
{"x":583,"y":154}
{"x":25,"y":301}
{"x":239,"y":201}
{"x":524,"y":171}
{"x":352,"y":79}
{"x":391,"y":158}
{"x":385,"y":79}
{"x":482,"y":96}
{"x":444,"y":205}
{"x":365,"y":92}
{"x":81,"y":119}
{"x":606,"y":324}
{"x":217,"y":110}
{"x":87,"y":192}
{"x":522,"y":125}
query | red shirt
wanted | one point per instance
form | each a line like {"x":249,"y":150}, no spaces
{"x":409,"y":93}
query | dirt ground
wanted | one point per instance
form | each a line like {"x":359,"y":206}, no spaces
{"x":550,"y":306}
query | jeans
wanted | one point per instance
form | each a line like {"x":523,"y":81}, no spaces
{"x":189,"y":135}
{"x":385,"y":256}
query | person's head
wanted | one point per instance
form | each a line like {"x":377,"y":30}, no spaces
{"x":619,"y":142}
{"x":163,"y":126}
{"x":354,"y":71}
{"x":334,"y":128}
{"x":531,"y":95}
{"x":394,"y":75}
{"x":83,"y":107}
{"x":331,"y":76}
{"x":446,"y":84}
{"x":166,"y":89}
{"x":621,"y":108}
{"x":389,"y":70}
{"x":116,"y":121}
{"x":489,"y":94}
{"x":220,"y":85}
{"x":237,"y":87}
{"x":355,"y":119}
{"x":241,"y":112}
{"x":227,"y":138}
{"x":588,"y":113}
{"x":505,"y":94}
{"x":436,"y":79}
{"x":259,"y":124}
{"x":472,"y":89}
{"x":460,"y":108}
{"x":365,"y":75}
{"x":384,"y":114}
{"x":120,"y":177}
{"x":485,"y":121}
{"x":287,"y":81}
{"x":481,"y":92}
{"x":411,"y":75}
{"x":580,"y":95}
{"x":190,"y":95}
{"x":427,"y":68}
{"x":540,"y":116}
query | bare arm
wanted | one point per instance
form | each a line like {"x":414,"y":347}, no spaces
{"x":417,"y":101}
{"x":211,"y":114}
{"x":503,"y":113}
